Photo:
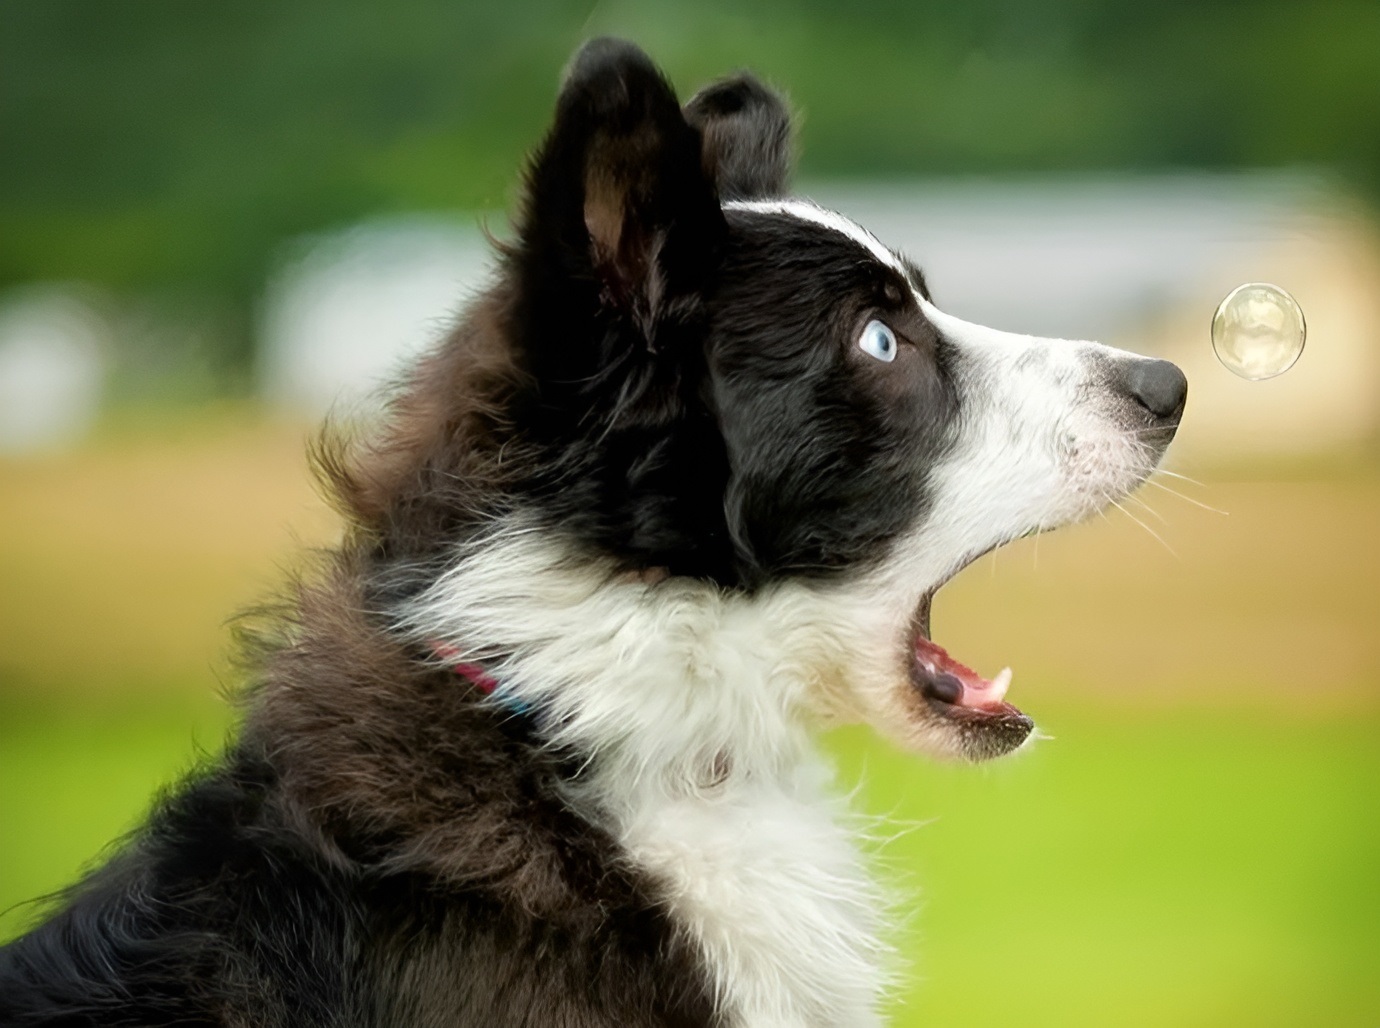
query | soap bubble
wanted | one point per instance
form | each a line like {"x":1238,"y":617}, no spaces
{"x":1258,"y":331}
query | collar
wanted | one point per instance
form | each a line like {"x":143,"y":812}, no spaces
{"x":476,"y":675}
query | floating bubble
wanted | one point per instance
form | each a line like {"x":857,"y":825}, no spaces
{"x":1258,"y":331}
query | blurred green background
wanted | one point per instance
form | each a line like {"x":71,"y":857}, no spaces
{"x":1199,"y":842}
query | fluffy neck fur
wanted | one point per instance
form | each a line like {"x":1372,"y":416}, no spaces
{"x":690,"y":706}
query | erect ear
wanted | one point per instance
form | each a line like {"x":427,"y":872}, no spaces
{"x":747,"y":137}
{"x":620,"y":213}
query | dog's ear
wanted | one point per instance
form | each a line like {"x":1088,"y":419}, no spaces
{"x":747,"y":137}
{"x":621,"y":219}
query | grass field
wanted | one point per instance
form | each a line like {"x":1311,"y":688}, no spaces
{"x":1199,"y":844}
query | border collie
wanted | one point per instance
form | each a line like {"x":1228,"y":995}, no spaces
{"x":534,"y":745}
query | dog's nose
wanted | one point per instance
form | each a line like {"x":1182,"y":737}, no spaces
{"x":1158,"y":386}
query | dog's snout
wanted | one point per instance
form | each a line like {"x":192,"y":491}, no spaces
{"x":1158,"y":386}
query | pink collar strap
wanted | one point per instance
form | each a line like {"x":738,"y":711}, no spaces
{"x":471,"y":672}
{"x":474,"y":674}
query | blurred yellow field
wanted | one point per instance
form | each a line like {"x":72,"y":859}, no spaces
{"x":120,"y":564}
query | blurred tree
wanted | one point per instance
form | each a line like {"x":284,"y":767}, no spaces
{"x":161,"y":145}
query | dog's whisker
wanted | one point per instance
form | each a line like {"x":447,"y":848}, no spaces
{"x":1186,"y":499}
{"x":1148,"y":509}
{"x":1153,"y":534}
{"x":1182,"y":478}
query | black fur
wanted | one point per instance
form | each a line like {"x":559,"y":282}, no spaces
{"x":816,"y":494}
{"x":747,"y":137}
{"x":680,"y":357}
{"x":221,"y":913}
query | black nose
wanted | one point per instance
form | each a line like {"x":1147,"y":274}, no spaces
{"x":1158,"y":386}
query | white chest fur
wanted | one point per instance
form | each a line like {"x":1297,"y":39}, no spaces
{"x":666,"y":687}
{"x":764,"y":876}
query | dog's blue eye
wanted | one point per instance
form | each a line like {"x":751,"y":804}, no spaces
{"x":878,"y":341}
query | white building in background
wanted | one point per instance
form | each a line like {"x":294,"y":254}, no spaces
{"x":1139,"y":263}
{"x":344,"y":313}
{"x":52,"y":367}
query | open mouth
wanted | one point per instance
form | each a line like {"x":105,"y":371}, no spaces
{"x":957,"y":693}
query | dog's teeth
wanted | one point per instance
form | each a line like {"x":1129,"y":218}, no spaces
{"x":1001,"y":683}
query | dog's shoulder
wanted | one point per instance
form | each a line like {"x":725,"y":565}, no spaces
{"x":238,"y":903}
{"x":197,"y":915}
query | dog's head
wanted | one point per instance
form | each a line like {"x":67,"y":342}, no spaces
{"x":727,"y":385}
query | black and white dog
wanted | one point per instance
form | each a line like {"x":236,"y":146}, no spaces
{"x":534,"y":746}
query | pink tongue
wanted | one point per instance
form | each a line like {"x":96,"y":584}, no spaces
{"x":977,"y":691}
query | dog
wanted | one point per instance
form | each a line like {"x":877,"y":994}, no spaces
{"x":534,"y":745}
